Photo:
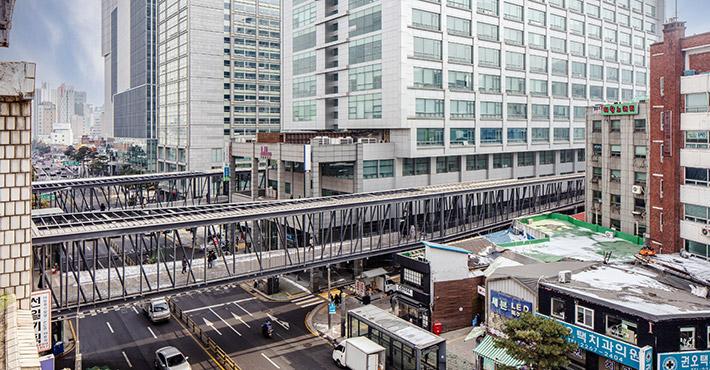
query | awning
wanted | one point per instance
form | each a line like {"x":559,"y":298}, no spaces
{"x":488,"y":349}
{"x":373,"y":273}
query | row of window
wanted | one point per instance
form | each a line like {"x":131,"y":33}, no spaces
{"x":640,"y":151}
{"x":494,"y":136}
{"x":485,"y":31}
{"x":479,"y":162}
{"x":615,"y":125}
{"x":615,"y":176}
{"x":515,"y":12}
{"x":491,"y":58}
{"x":465,"y":109}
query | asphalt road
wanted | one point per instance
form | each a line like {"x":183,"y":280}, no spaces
{"x":232,"y":318}
{"x":126,"y":339}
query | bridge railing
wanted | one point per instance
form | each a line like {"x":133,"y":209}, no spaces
{"x":186,"y":252}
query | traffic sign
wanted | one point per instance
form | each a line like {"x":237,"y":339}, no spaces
{"x":331,"y":308}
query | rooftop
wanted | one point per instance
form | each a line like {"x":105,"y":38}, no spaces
{"x":396,"y":327}
{"x":631,"y":288}
{"x":556,"y":237}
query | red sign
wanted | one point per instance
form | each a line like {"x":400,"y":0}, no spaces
{"x":265,"y":153}
{"x":619,"y":109}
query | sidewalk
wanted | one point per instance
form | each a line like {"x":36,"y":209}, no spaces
{"x":288,"y":290}
{"x":317,"y":320}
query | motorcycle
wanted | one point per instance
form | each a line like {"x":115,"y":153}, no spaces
{"x":267,"y":329}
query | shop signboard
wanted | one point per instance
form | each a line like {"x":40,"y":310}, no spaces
{"x":614,"y":349}
{"x":41,"y":309}
{"x":508,"y":306}
{"x":619,"y":109}
{"x":687,"y":360}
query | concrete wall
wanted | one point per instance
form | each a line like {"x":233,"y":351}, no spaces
{"x":17,"y":81}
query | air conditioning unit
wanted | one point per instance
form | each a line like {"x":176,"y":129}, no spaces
{"x":706,"y":230}
{"x":595,"y":180}
{"x":637,"y":189}
{"x":564,"y":276}
{"x":465,"y":143}
{"x":320,"y":140}
{"x":367,"y":140}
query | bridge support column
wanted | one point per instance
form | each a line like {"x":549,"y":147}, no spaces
{"x":272,"y":285}
{"x":357,"y":268}
{"x":315,"y":180}
{"x":17,"y":81}
{"x":254,"y":182}
{"x":281,"y":180}
{"x":316,"y":277}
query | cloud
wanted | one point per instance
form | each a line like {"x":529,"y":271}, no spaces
{"x":64,"y":39}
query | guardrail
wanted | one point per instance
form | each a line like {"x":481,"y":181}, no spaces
{"x":220,"y":356}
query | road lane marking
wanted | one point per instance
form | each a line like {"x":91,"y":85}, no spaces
{"x":297,"y":285}
{"x":272,"y":362}
{"x":109,"y":327}
{"x":225,"y":322}
{"x":209,"y":323}
{"x":135,"y":310}
{"x":307,"y":301}
{"x":189,"y":333}
{"x":151,"y":332}
{"x":239,"y":318}
{"x":217,"y":305}
{"x":283,"y":324}
{"x":242,"y":308}
{"x":127,"y":360}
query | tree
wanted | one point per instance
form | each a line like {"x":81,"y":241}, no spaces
{"x":538,"y":342}
{"x":70,"y":151}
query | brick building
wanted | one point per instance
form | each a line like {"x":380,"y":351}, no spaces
{"x":679,"y":192}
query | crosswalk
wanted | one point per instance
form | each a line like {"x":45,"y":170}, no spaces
{"x":308,"y":301}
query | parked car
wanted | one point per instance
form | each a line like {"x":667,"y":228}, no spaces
{"x":157,"y":309}
{"x":170,"y":358}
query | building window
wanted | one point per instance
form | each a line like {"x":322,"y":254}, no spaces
{"x":304,"y":111}
{"x":584,"y":317}
{"x":687,"y":339}
{"x":536,"y":17}
{"x":463,"y":4}
{"x":540,"y":112}
{"x":426,"y":20}
{"x":696,"y":213}
{"x":561,"y":135}
{"x":462,"y":109}
{"x":448,"y":164}
{"x":517,"y":110}
{"x":559,"y":67}
{"x":697,"y":139}
{"x":578,"y":134}
{"x":538,"y":64}
{"x":365,"y":21}
{"x":487,"y":31}
{"x":526,"y":159}
{"x":369,"y":48}
{"x":374,"y":169}
{"x":696,"y":102}
{"x":538,"y":87}
{"x":459,"y":26}
{"x":488,"y":57}
{"x":460,"y":53}
{"x":597,"y":150}
{"x":502,"y":160}
{"x":429,"y":108}
{"x":488,"y":6}
{"x":462,"y":136}
{"x":615,"y":125}
{"x":491,"y":135}
{"x":547,"y":157}
{"x":640,"y":151}
{"x":517,"y":135}
{"x":513,"y":12}
{"x":413,"y":277}
{"x":615,"y":150}
{"x":640,"y":178}
{"x":460,"y":80}
{"x":639,"y":125}
{"x":491,"y":110}
{"x":537,"y":41}
{"x":368,"y":106}
{"x":427,"y":48}
{"x":557,"y":308}
{"x":567,"y":156}
{"x":697,"y":176}
{"x":515,"y":85}
{"x":622,"y":329}
{"x":489,"y":83}
{"x":416,"y":166}
{"x":476,"y":162}
{"x":427,"y":78}
{"x":430,"y":137}
{"x":515,"y":61}
{"x":540,"y":135}
{"x":513,"y":36}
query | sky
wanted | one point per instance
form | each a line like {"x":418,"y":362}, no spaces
{"x":64,"y":38}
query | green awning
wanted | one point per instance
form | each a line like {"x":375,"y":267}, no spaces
{"x":488,"y":349}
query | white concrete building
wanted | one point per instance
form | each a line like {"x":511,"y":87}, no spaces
{"x":62,"y":134}
{"x":461,"y":90}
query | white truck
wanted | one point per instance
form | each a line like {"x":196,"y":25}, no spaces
{"x":359,"y":353}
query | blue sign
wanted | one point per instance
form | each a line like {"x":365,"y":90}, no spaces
{"x":331,"y":308}
{"x":690,"y":360}
{"x":614,"y":349}
{"x":508,"y":306}
{"x":225,"y":172}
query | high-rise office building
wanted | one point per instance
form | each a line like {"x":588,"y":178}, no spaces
{"x":129,"y":49}
{"x":679,"y":168}
{"x":457,"y":90}
{"x":219,"y":78}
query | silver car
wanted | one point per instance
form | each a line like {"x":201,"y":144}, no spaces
{"x":170,"y":358}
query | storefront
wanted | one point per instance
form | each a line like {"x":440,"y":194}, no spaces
{"x":490,"y":357}
{"x":407,"y":346}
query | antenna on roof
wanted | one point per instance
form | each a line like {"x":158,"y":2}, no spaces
{"x":676,"y":9}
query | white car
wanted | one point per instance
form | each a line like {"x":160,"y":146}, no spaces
{"x":157,"y":309}
{"x":170,"y":358}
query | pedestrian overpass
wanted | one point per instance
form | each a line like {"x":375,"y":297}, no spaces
{"x":99,"y":259}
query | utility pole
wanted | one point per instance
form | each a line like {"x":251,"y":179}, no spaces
{"x":329,"y":300}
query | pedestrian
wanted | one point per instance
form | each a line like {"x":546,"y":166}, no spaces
{"x":340,"y":297}
{"x":184,"y":265}
{"x":210,"y":257}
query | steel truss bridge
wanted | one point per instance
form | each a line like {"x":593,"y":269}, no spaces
{"x":136,"y":191}
{"x":96,"y":259}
